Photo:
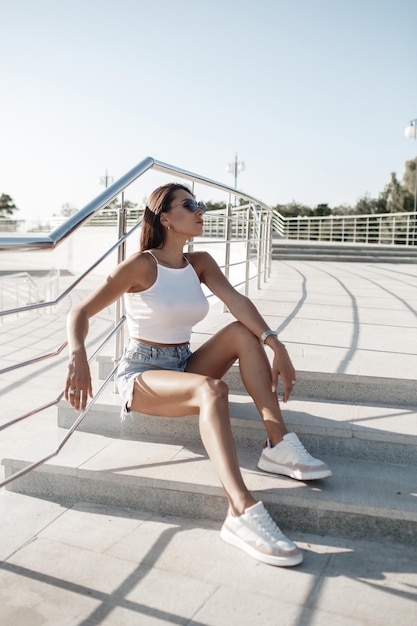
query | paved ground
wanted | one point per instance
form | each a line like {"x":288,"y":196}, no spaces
{"x":76,"y":564}
{"x":88,"y":565}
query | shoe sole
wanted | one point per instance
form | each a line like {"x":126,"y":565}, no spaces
{"x":275,"y":468}
{"x":278,"y":561}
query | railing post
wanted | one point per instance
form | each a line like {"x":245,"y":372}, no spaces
{"x":266,"y":245}
{"x":260,"y":251}
{"x":190,"y":244}
{"x":270,"y":232}
{"x":228,"y":231}
{"x":121,"y":255}
{"x":248,"y":249}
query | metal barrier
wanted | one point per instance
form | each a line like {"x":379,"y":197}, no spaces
{"x":20,"y":289}
{"x":248,"y":224}
{"x":397,"y":229}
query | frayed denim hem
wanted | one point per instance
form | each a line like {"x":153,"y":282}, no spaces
{"x":126,"y":411}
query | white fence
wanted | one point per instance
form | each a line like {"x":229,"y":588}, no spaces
{"x":386,"y":228}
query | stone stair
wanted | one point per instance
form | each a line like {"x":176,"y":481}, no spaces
{"x":159,"y":464}
{"x":357,"y":253}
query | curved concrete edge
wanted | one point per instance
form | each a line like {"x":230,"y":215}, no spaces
{"x":345,"y":387}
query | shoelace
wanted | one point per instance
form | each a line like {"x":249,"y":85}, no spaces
{"x":298,"y":446}
{"x":266,"y":524}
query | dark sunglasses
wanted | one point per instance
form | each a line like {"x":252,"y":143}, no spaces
{"x":192,"y":205}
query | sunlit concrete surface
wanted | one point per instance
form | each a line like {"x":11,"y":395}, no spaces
{"x":77,"y":563}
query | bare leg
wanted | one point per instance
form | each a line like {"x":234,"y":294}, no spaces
{"x":218,"y":440}
{"x":200,"y":390}
{"x":218,"y":354}
{"x":175,"y":394}
{"x":248,"y":526}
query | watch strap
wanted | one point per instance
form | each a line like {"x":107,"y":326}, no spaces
{"x":267,"y":333}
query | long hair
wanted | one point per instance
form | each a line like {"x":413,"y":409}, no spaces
{"x":153,"y":234}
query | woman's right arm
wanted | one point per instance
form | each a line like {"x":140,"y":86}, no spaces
{"x":124,"y":278}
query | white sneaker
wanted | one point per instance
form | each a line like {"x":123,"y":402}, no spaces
{"x":256,"y":533}
{"x":289,"y":457}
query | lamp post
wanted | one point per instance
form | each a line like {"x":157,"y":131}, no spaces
{"x":411,"y":133}
{"x":106,"y":180}
{"x":235,"y":168}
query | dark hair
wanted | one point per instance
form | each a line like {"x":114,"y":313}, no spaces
{"x":153,"y":233}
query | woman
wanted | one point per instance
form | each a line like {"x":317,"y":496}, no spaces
{"x":158,"y":374}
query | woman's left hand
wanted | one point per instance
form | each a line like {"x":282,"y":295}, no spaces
{"x":282,"y":366}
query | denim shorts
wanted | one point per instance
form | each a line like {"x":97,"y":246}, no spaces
{"x":139,"y":357}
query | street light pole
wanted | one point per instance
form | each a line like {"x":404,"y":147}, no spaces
{"x":235,"y":168}
{"x":106,"y":180}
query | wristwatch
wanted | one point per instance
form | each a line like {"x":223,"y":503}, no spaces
{"x":267,"y":333}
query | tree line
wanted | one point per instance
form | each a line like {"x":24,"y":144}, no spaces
{"x":396,"y":197}
{"x":7,"y":205}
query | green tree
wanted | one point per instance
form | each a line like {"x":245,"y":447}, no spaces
{"x":397,"y":197}
{"x":67,"y":209}
{"x":7,"y":206}
{"x":369,"y":206}
{"x":215,"y":206}
{"x":409,"y":178}
{"x":343,"y":209}
{"x":322,"y":209}
{"x":115,"y":205}
{"x":293,"y":209}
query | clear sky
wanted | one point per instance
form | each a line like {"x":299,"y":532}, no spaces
{"x":313,"y":95}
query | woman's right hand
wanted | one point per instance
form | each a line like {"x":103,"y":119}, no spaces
{"x":78,"y":382}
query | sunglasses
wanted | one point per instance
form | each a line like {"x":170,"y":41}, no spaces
{"x":192,"y":205}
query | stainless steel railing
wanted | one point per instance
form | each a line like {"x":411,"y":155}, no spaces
{"x":396,"y":229}
{"x":20,"y":289}
{"x":75,"y":425}
{"x":249,"y":225}
{"x":59,"y":234}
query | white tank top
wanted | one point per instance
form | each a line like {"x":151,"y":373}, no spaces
{"x":167,"y":311}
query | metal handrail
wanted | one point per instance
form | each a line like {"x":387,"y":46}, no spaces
{"x":26,"y":276}
{"x":57,"y":236}
{"x":394,"y":229}
{"x":77,"y":422}
{"x":71,"y":287}
{"x":35,"y":359}
{"x":74,"y":222}
{"x":81,"y":416}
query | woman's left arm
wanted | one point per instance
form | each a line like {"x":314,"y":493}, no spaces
{"x":243,"y":309}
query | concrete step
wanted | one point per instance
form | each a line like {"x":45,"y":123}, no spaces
{"x":325,"y":386}
{"x":355,"y":431}
{"x":363,"y":499}
{"x":347,"y":258}
{"x":322,"y":247}
{"x":308,"y":250}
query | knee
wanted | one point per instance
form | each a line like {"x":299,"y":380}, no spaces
{"x":242,"y":334}
{"x":213,"y":390}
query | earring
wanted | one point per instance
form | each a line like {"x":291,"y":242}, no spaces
{"x":168,"y":227}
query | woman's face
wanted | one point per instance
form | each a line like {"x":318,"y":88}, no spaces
{"x":185,"y":215}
